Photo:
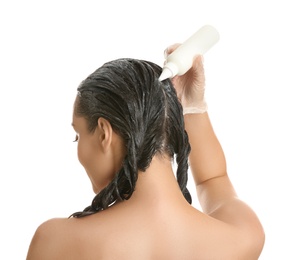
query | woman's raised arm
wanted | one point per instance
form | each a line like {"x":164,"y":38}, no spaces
{"x":215,"y":191}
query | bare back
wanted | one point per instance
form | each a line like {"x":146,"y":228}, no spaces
{"x":176,"y":231}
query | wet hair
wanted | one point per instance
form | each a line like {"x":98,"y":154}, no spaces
{"x":145,"y":112}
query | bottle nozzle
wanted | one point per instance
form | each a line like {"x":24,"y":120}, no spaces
{"x":166,"y":73}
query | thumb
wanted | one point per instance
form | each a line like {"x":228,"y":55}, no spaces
{"x":170,"y":49}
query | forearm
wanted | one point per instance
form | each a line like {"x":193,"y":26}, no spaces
{"x":206,"y":159}
{"x":208,"y":163}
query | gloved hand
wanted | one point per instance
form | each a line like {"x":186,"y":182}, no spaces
{"x":190,"y":87}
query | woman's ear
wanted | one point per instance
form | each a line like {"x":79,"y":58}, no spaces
{"x":105,"y":134}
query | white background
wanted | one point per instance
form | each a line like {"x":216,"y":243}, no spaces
{"x":49,"y":47}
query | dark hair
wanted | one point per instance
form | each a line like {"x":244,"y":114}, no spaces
{"x":145,"y":112}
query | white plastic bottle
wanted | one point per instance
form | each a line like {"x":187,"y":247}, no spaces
{"x":180,"y":61}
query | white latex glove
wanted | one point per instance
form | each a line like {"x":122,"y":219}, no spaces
{"x":190,"y":87}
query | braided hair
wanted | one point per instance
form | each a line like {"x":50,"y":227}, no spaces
{"x":145,"y":112}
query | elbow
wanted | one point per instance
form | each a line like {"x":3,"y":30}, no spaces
{"x":260,"y":240}
{"x":255,"y":240}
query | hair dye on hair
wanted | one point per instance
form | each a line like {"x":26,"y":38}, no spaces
{"x":145,"y":112}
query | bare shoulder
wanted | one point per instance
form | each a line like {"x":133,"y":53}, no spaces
{"x":51,"y":239}
{"x":226,"y":238}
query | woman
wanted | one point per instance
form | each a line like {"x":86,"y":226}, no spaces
{"x":130,"y":127}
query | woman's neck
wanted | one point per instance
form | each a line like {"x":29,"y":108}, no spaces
{"x":157,"y":184}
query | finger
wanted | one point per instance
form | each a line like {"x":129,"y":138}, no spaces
{"x":198,"y":61}
{"x":170,"y":49}
{"x":174,"y":80}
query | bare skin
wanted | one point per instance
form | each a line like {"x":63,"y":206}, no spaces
{"x":157,"y":222}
